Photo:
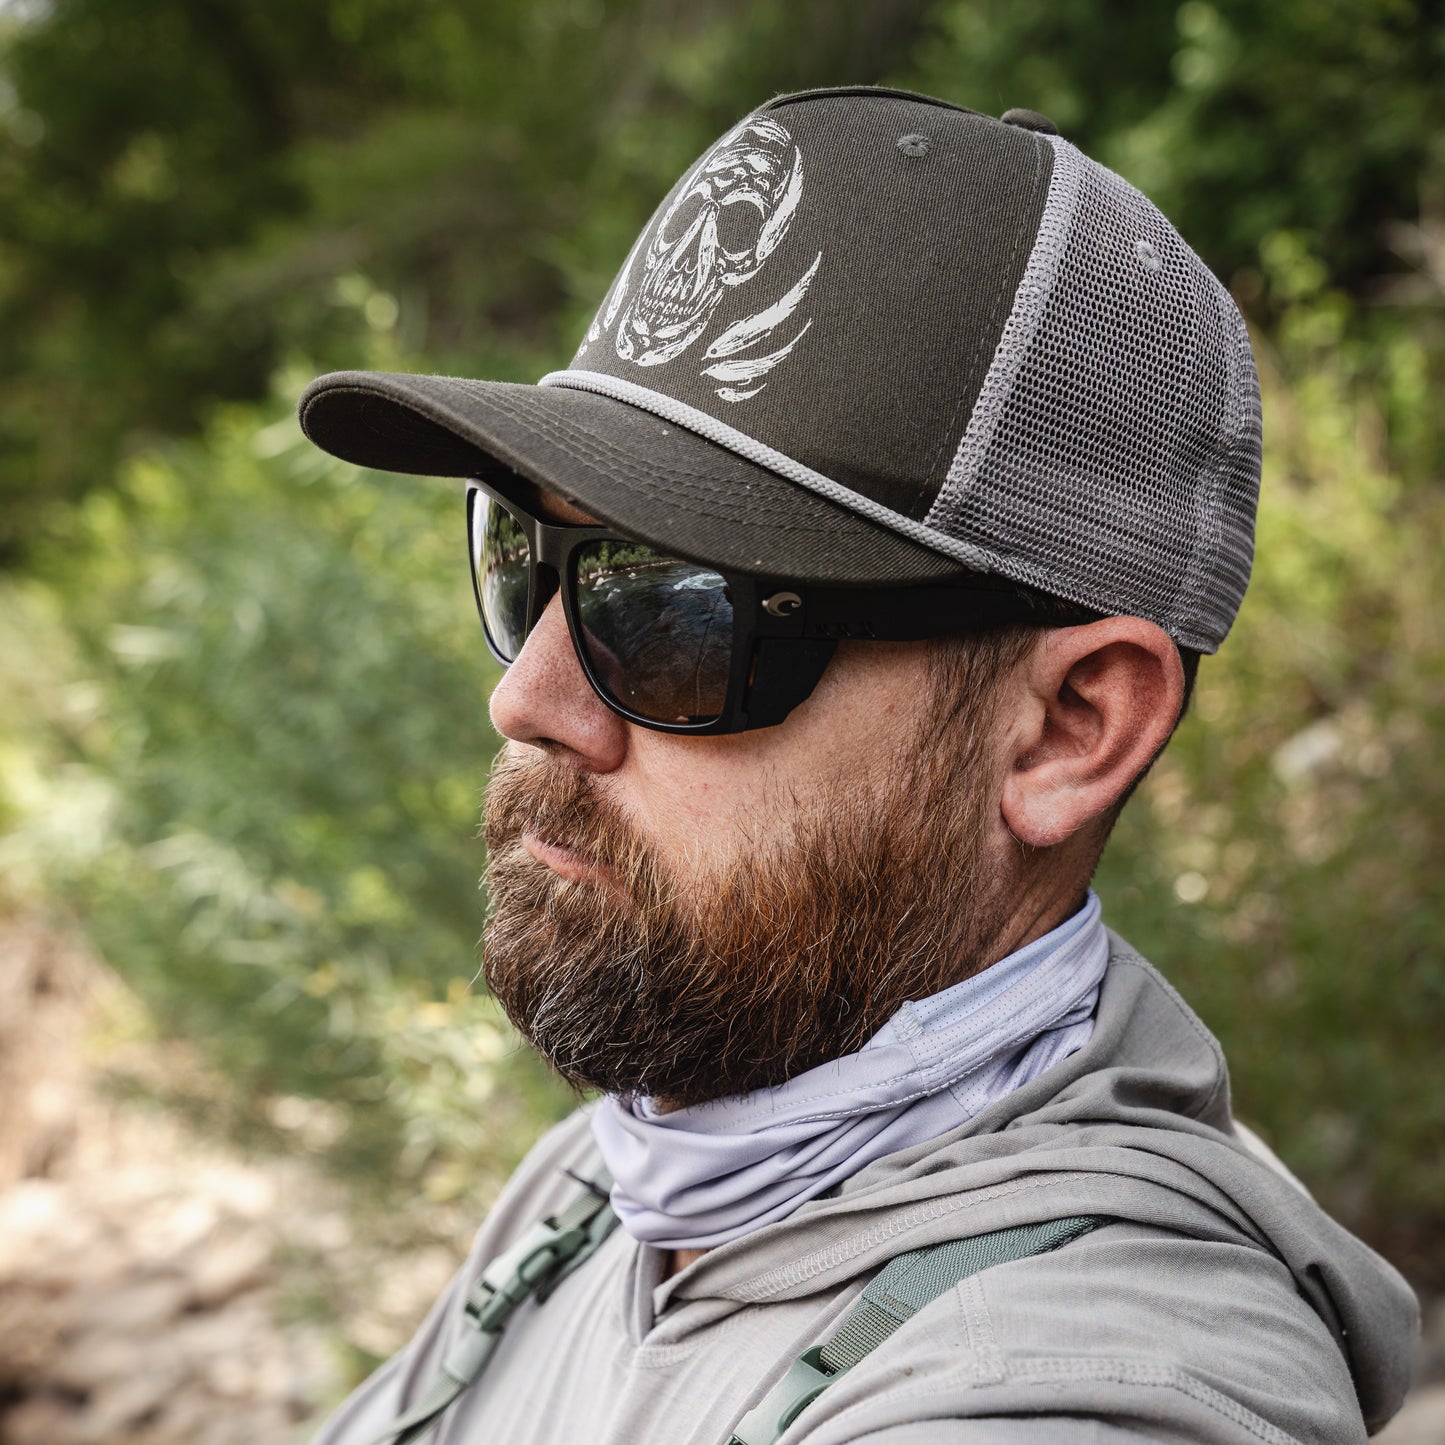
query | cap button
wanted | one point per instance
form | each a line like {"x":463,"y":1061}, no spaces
{"x":1029,"y":120}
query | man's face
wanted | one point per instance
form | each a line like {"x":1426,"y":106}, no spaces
{"x":689,"y":917}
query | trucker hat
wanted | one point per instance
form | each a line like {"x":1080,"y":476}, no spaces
{"x":871,"y":338}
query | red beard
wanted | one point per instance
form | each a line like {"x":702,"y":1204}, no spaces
{"x":688,"y":988}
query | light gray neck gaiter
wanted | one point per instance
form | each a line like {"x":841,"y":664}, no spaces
{"x":713,"y":1172}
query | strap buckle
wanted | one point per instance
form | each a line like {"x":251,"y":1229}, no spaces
{"x":514,"y":1274}
{"x":531,"y":1268}
{"x":806,"y":1379}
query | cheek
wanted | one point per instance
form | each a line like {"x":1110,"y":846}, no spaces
{"x":867,"y":715}
{"x":695,"y":798}
{"x":708,"y":797}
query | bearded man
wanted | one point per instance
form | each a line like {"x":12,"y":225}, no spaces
{"x":849,"y":580}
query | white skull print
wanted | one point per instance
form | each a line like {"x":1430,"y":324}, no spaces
{"x":729,"y":216}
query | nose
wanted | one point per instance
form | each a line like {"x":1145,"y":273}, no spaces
{"x":545,"y":701}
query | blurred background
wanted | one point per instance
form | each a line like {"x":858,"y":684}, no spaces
{"x":251,"y":1104}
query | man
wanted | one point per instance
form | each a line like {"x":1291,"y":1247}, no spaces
{"x":849,"y":580}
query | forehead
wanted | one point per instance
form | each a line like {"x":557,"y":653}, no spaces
{"x":547,"y":505}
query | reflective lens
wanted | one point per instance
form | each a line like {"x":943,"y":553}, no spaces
{"x":500,"y":571}
{"x":657,"y":631}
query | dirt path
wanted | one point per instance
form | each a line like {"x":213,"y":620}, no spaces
{"x":157,"y":1288}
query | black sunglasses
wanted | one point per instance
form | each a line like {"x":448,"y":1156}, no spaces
{"x":681,"y":647}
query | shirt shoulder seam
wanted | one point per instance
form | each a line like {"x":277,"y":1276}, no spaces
{"x":1050,"y":1371}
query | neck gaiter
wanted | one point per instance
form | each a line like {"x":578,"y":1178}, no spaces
{"x":701,"y":1176}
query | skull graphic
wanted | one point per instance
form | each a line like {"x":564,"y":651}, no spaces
{"x":729,"y":216}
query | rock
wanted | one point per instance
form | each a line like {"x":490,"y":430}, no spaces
{"x":46,"y":985}
{"x":40,"y":1420}
{"x":90,"y":1361}
{"x":222,"y":1270}
{"x":135,"y":1306}
{"x":158,"y":1286}
{"x":123,"y":1407}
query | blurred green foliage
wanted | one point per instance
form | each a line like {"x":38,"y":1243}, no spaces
{"x":1282,"y":863}
{"x":182,"y":184}
{"x":242,"y":692}
{"x":264,"y":795}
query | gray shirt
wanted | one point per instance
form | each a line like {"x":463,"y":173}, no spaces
{"x":1219,"y":1303}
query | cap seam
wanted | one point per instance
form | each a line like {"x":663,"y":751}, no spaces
{"x":575,"y":442}
{"x":1019,"y":330}
{"x":995,"y":329}
{"x":882,"y":92}
{"x":750,"y":449}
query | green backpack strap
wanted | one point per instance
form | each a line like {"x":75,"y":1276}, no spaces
{"x":533,"y":1267}
{"x":896,"y":1293}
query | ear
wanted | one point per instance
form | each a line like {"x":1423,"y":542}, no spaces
{"x":1096,"y":703}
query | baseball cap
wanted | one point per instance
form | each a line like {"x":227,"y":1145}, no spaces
{"x":872,"y":338}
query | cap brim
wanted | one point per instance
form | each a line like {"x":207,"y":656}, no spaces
{"x":648,"y":477}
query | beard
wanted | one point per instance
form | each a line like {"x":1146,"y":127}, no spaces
{"x":688,"y":982}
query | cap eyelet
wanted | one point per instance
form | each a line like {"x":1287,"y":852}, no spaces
{"x":915,"y":145}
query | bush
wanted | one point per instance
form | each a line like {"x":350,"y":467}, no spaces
{"x":287,"y":741}
{"x":1281,"y":864}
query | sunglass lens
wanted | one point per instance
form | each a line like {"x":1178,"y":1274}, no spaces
{"x":657,"y":631}
{"x":500,"y":570}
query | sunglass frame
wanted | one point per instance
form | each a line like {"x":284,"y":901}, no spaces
{"x":784,"y":632}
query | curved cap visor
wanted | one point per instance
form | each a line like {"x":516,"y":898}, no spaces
{"x":648,"y":477}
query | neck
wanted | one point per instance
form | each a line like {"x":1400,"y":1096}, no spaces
{"x":1039,"y":911}
{"x":679,"y":1259}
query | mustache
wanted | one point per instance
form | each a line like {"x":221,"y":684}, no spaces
{"x":559,"y":805}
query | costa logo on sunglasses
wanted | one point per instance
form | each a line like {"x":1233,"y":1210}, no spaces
{"x":725,"y":222}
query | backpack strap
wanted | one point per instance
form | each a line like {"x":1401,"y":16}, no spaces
{"x":895,"y":1294}
{"x":539,"y":1261}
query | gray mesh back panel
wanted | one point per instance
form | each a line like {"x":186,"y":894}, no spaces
{"x":1113,"y":456}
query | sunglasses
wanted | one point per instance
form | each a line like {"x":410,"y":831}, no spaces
{"x":680,"y":647}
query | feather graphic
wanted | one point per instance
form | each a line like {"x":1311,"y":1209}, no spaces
{"x":619,"y":289}
{"x":753,"y":328}
{"x":749,"y":368}
{"x":776,"y":226}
